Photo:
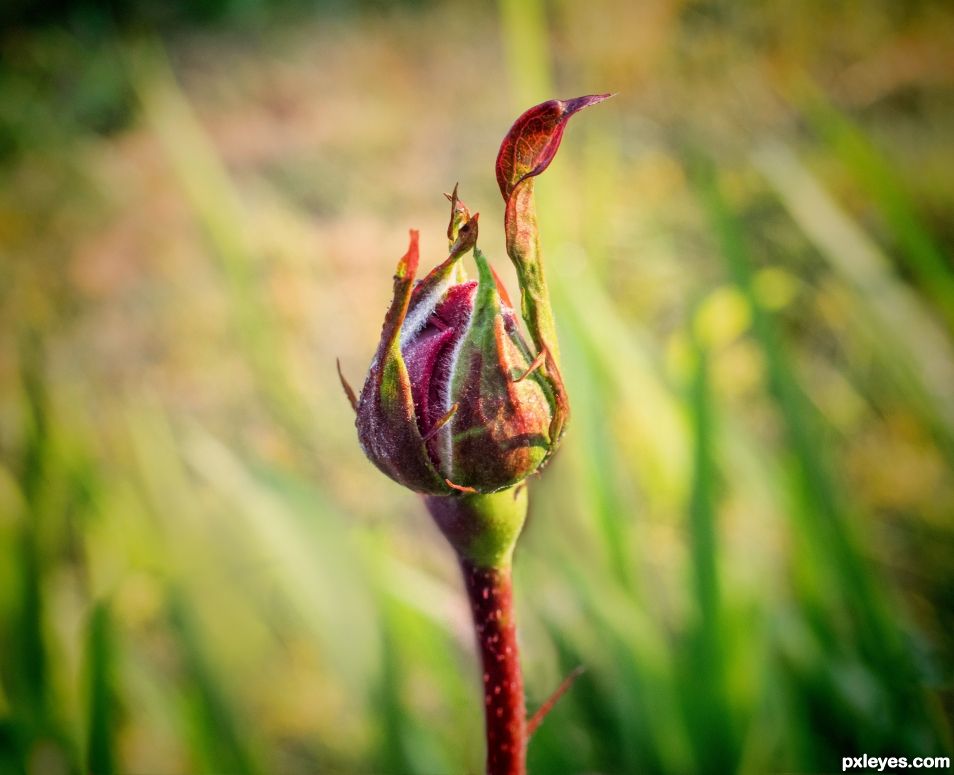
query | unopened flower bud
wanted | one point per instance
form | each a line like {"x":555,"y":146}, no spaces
{"x":448,"y":404}
{"x":455,"y":399}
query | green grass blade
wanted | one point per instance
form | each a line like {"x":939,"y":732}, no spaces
{"x":220,"y":738}
{"x":832,"y":567}
{"x":703,"y":680}
{"x":101,"y":702}
{"x":31,"y":669}
{"x":906,"y":340}
{"x":598,"y":480}
{"x":12,"y":758}
{"x":926,"y":261}
{"x":215,"y":202}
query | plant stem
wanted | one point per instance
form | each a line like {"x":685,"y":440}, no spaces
{"x":491,"y":602}
{"x":483,"y":530}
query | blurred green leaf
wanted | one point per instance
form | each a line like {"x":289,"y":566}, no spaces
{"x":923,"y":257}
{"x":101,"y":737}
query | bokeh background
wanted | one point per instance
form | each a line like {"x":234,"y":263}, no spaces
{"x":747,"y":536}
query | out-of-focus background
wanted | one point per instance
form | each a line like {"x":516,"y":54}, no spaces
{"x":747,"y":536}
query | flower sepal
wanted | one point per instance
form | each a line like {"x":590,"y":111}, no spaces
{"x":482,"y":528}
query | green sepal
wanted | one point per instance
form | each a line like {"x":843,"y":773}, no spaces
{"x":386,"y":419}
{"x":500,"y":432}
{"x":482,"y":528}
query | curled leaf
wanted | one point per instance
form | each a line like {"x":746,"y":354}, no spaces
{"x":525,"y":152}
{"x":534,"y":139}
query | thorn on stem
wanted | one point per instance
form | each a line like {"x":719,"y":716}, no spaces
{"x":349,"y":392}
{"x":537,"y":718}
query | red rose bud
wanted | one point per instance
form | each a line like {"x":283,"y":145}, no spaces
{"x":455,"y":400}
{"x":451,"y":401}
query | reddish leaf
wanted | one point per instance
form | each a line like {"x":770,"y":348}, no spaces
{"x":526,"y":151}
{"x":534,"y":139}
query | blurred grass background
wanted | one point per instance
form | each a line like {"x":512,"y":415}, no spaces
{"x":747,"y":537}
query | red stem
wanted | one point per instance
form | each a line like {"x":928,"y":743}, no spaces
{"x":491,"y":601}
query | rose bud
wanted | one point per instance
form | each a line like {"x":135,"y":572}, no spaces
{"x":459,"y":407}
{"x":453,"y":399}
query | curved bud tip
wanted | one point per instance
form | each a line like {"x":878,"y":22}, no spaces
{"x":458,"y":216}
{"x":534,"y":139}
{"x":466,"y":236}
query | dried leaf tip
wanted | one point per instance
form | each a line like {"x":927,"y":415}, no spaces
{"x":407,"y":266}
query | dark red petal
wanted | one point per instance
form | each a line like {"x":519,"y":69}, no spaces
{"x":429,"y":354}
{"x":438,"y":279}
{"x":456,"y":307}
{"x":421,"y":355}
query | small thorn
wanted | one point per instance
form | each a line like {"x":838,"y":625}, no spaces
{"x":537,"y":363}
{"x":349,"y":392}
{"x":442,"y":422}
{"x":459,"y":487}
{"x":537,"y":718}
